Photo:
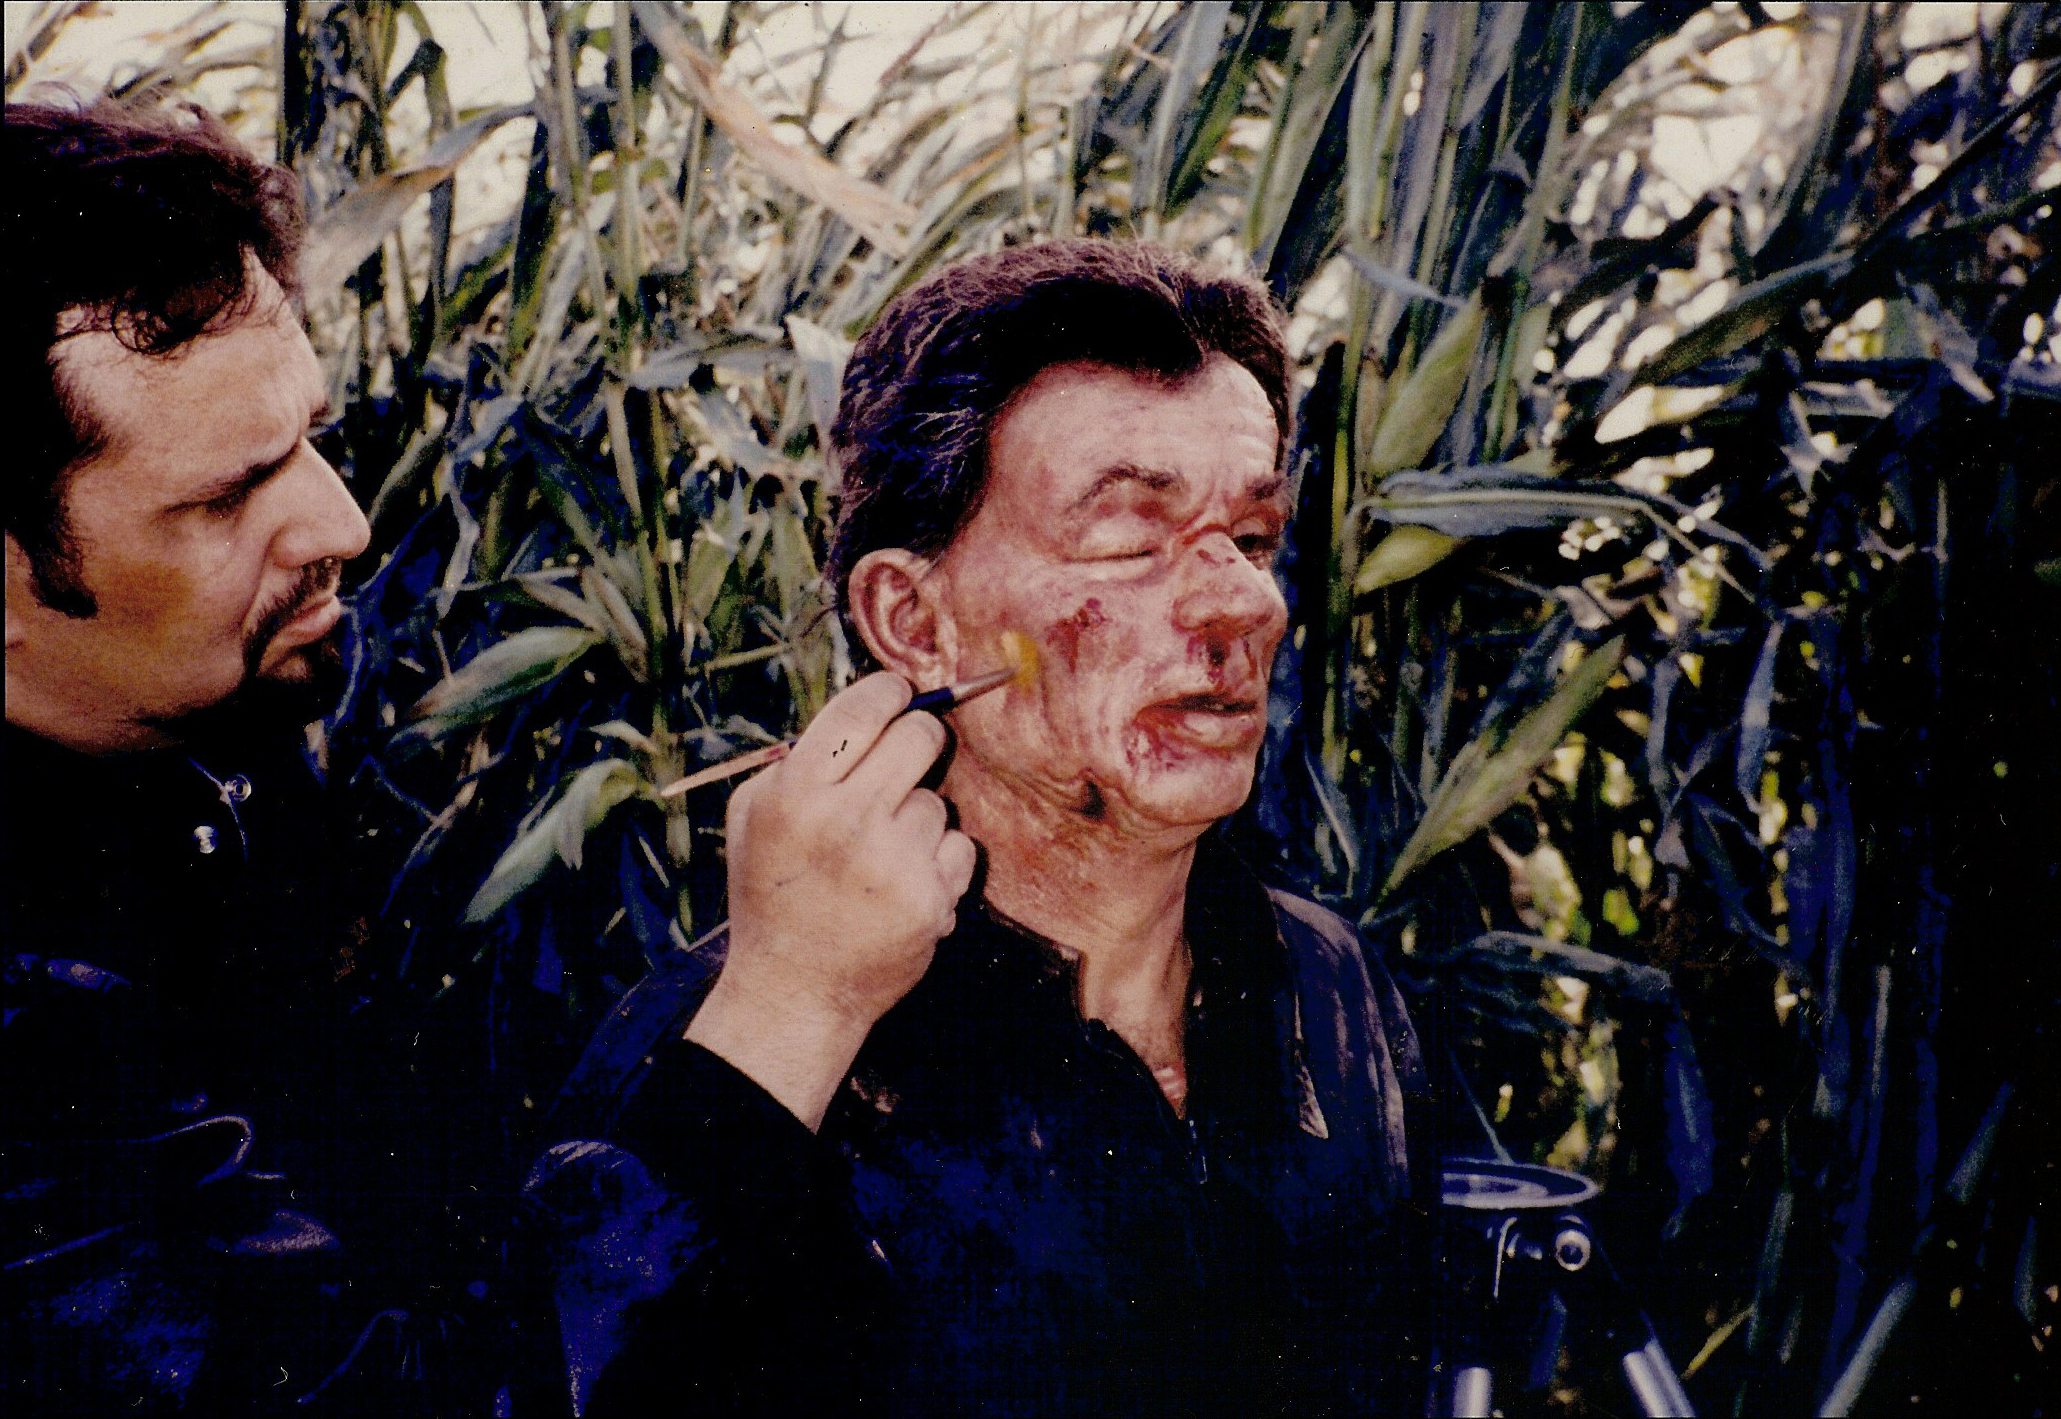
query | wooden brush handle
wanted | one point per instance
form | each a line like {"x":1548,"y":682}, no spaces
{"x":729,"y":768}
{"x":943,"y":698}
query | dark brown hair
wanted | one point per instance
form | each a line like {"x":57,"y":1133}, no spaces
{"x":928,"y":380}
{"x":131,"y":221}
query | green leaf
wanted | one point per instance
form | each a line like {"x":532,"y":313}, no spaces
{"x":624,"y":630}
{"x":1419,"y":409}
{"x":1300,"y":115}
{"x":593,"y":792}
{"x":1221,"y":100}
{"x":1541,"y":955}
{"x":558,"y":833}
{"x":1404,"y":553}
{"x":1752,"y":313}
{"x":500,"y":675}
{"x":544,"y":588}
{"x":709,"y":559}
{"x":1497,"y":498}
{"x":1489,"y":774}
{"x":1194,"y":59}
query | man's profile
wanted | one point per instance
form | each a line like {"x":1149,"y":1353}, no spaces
{"x":1119,"y":1131}
{"x":204,"y":1175}
{"x":173,"y":540}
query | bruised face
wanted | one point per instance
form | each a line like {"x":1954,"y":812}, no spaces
{"x":211,"y":537}
{"x":1128,"y":525}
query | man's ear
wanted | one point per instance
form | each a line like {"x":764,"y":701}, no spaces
{"x":897,"y":614}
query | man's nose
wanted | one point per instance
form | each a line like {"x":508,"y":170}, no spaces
{"x":322,"y":518}
{"x":1225,"y":594}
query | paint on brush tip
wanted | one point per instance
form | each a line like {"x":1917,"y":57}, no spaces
{"x":1021,"y":652}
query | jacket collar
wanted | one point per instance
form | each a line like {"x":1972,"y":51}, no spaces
{"x":1245,"y":1021}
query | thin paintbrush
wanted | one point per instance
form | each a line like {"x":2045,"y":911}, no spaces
{"x":1021,"y":670}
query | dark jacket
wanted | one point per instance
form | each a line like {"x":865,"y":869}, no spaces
{"x":212,"y":1193}
{"x":1001,"y":1213}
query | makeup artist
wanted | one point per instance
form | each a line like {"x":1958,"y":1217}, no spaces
{"x":203,"y":1181}
{"x":1007,"y":1088}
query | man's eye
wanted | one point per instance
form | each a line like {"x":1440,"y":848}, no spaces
{"x":1112,"y":549}
{"x":1259,"y":546}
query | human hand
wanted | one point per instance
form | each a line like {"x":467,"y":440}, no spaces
{"x":844,"y":874}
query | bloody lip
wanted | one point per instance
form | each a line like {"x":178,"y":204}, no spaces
{"x":1210,"y":722}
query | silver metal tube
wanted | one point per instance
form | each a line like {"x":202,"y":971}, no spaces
{"x":1655,"y":1384}
{"x":1471,"y":1392}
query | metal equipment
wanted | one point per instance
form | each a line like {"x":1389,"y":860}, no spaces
{"x":1524,"y":1263}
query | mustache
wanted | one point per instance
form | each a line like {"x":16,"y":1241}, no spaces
{"x":316,"y":580}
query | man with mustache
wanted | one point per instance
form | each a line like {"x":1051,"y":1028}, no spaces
{"x":1118,"y":1131}
{"x":191,"y":1125}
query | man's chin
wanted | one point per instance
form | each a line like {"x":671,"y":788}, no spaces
{"x":301,"y":687}
{"x":1191,"y":797}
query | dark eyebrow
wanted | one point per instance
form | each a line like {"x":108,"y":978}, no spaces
{"x":240,"y":485}
{"x":1157,"y":480}
{"x":1267,"y":489}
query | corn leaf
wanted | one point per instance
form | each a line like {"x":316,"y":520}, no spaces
{"x":1752,"y":313}
{"x":559,"y":833}
{"x":1404,"y":553}
{"x":1542,"y":955}
{"x":501,"y":674}
{"x":1489,"y":772}
{"x":883,"y":219}
{"x":1419,"y":408}
{"x":354,"y":226}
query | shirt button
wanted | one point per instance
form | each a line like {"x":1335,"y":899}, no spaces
{"x":235,"y":788}
{"x":204,"y":838}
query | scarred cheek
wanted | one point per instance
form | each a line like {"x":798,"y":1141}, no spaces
{"x":1065,"y":635}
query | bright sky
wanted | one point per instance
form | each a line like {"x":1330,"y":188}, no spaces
{"x":488,"y":43}
{"x":492,"y":49}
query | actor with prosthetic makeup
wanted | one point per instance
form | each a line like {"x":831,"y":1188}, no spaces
{"x":1117,"y":1131}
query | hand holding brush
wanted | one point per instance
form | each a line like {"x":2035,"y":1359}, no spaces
{"x":1022,"y":669}
{"x":844,"y":873}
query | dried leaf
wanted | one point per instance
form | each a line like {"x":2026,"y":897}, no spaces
{"x":1396,"y":281}
{"x":355,"y":225}
{"x":823,"y":356}
{"x":882,"y":219}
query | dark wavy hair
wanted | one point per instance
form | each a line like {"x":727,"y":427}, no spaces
{"x":133,"y":221}
{"x":930,"y":377}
